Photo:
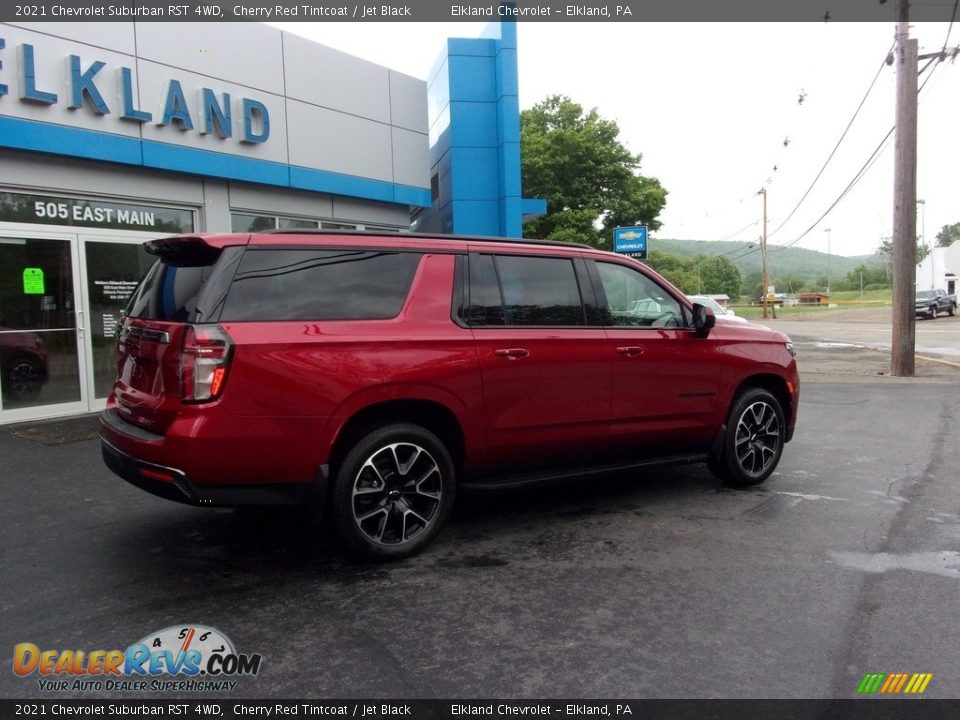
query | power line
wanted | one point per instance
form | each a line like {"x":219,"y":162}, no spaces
{"x":874,"y":156}
{"x":737,"y":232}
{"x":837,"y":146}
{"x":950,"y":27}
{"x":860,"y":173}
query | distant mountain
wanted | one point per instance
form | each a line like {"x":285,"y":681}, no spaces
{"x":808,"y":264}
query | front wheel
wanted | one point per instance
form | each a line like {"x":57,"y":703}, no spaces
{"x":756,"y":433}
{"x":933,"y":312}
{"x":393,"y":491}
{"x":952,"y":310}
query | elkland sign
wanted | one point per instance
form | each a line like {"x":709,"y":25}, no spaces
{"x":246,"y":120}
{"x":207,"y":107}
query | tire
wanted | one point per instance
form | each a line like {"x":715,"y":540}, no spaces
{"x":392,"y":492}
{"x":24,"y":379}
{"x":933,"y":312}
{"x":952,"y":310}
{"x":752,"y":447}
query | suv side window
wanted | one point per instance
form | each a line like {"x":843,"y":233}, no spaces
{"x":520,"y":290}
{"x":310,"y":284}
{"x":486,"y":303}
{"x":634,"y":300}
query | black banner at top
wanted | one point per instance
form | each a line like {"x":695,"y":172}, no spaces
{"x":468,"y":10}
{"x":378,"y":709}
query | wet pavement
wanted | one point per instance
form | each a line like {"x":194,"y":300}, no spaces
{"x":655,"y":584}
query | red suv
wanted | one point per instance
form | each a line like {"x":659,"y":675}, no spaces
{"x":372,"y":375}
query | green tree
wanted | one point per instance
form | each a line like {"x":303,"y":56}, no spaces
{"x":590,"y":180}
{"x":870,"y":275}
{"x":718,"y":276}
{"x":885,"y":251}
{"x":948,"y":235}
{"x":791,"y":283}
{"x":682,"y":272}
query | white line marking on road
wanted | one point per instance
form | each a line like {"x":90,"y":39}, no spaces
{"x":945,"y":563}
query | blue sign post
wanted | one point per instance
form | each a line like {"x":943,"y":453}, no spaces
{"x":631,"y":241}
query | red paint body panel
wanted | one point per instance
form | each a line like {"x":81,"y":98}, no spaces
{"x":517,"y":394}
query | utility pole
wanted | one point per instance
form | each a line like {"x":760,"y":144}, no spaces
{"x":903,"y":347}
{"x":763,"y":254}
{"x":827,"y":231}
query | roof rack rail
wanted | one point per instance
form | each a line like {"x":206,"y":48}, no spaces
{"x":425,"y":236}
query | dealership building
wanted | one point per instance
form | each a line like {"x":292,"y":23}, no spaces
{"x":116,"y":133}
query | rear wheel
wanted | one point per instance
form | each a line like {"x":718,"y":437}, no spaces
{"x":393,"y":491}
{"x":754,"y":441}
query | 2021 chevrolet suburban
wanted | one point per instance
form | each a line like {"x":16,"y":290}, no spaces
{"x":371,"y":375}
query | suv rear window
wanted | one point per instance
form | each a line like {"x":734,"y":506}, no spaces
{"x":170,"y":290}
{"x":308,"y":284}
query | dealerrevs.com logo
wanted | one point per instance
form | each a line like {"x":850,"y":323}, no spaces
{"x":199,"y":658}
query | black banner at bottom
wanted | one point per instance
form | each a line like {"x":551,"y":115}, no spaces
{"x":885,"y":709}
{"x":228,"y":709}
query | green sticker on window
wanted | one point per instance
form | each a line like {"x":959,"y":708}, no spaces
{"x":33,"y":281}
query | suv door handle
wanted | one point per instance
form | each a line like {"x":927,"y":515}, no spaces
{"x":630,"y":350}
{"x":511,"y":353}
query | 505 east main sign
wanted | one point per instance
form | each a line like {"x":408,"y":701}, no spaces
{"x":244,"y":119}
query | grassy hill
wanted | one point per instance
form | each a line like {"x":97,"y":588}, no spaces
{"x":800,"y":262}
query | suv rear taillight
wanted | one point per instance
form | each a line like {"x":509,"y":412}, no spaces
{"x":204,"y":362}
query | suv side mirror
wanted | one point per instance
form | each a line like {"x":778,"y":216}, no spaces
{"x":703,"y":319}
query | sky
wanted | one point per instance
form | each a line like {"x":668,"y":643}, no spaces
{"x":714,"y":108}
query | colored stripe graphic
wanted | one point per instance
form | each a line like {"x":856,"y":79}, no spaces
{"x":894,"y":683}
{"x":870,"y":683}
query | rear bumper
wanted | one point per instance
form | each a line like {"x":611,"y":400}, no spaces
{"x":172,"y":483}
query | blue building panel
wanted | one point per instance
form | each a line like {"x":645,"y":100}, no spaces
{"x":508,"y":120}
{"x":62,"y":140}
{"x":472,"y":47}
{"x":507,"y":80}
{"x":473,"y":78}
{"x":474,"y":124}
{"x":476,"y":217}
{"x":475,"y":137}
{"x":510,"y":169}
{"x":476,"y":175}
{"x":212,"y":164}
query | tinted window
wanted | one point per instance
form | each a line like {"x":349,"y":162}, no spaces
{"x":170,"y":291}
{"x":240,"y":223}
{"x":633,"y":299}
{"x":539,"y":291}
{"x":486,"y":304}
{"x":320,"y":285}
{"x":296,"y":223}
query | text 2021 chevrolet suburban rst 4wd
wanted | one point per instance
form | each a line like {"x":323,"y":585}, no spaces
{"x":370,"y":376}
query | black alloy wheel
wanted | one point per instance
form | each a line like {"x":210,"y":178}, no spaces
{"x":393,"y":491}
{"x":756,"y":433}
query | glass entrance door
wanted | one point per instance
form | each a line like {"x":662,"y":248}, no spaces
{"x":112,"y":268}
{"x":41,"y":328}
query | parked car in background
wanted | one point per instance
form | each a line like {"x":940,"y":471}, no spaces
{"x":930,"y":303}
{"x":374,"y":374}
{"x":722,"y":313}
{"x":23,"y":364}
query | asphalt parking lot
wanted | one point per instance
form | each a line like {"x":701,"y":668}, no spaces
{"x":654,"y":584}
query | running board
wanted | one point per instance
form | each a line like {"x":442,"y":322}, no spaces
{"x":533,"y":478}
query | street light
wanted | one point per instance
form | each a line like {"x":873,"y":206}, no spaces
{"x":827,"y":231}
